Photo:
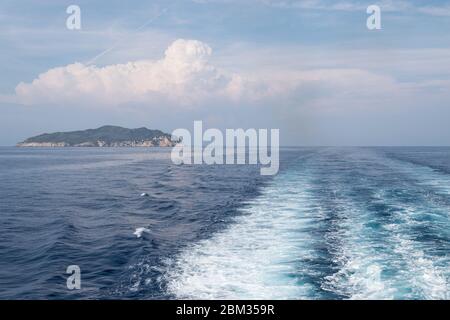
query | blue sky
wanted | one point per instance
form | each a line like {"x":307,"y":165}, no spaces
{"x":310,"y":68}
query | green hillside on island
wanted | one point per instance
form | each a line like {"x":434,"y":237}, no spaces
{"x":106,"y":136}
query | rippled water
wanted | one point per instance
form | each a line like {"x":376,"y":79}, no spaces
{"x":335,"y":223}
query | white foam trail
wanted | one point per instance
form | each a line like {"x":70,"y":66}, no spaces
{"x":428,"y":275}
{"x":409,"y":273}
{"x":269,"y":252}
{"x":361,"y":265}
{"x":140,"y":231}
{"x":427,"y":279}
{"x":255,"y":258}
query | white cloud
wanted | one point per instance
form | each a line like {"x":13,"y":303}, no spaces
{"x":443,"y":11}
{"x":183,"y":75}
{"x":331,"y":5}
{"x":185,"y":79}
{"x":346,"y":5}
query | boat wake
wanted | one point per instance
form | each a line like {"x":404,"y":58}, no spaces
{"x":336,"y":225}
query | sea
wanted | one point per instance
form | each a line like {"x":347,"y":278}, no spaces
{"x":334,"y":223}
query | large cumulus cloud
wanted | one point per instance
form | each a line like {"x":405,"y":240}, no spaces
{"x":183,"y":76}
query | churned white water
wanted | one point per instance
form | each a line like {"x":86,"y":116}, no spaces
{"x":332,"y":226}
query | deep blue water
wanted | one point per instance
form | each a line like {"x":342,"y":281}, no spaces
{"x":335,"y":223}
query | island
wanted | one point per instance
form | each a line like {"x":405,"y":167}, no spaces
{"x":106,"y":136}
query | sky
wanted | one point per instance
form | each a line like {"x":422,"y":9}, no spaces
{"x":310,"y":68}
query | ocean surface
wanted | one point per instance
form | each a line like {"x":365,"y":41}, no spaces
{"x":335,"y":223}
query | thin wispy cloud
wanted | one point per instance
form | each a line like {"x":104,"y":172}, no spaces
{"x":330,"y":5}
{"x":443,"y":11}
